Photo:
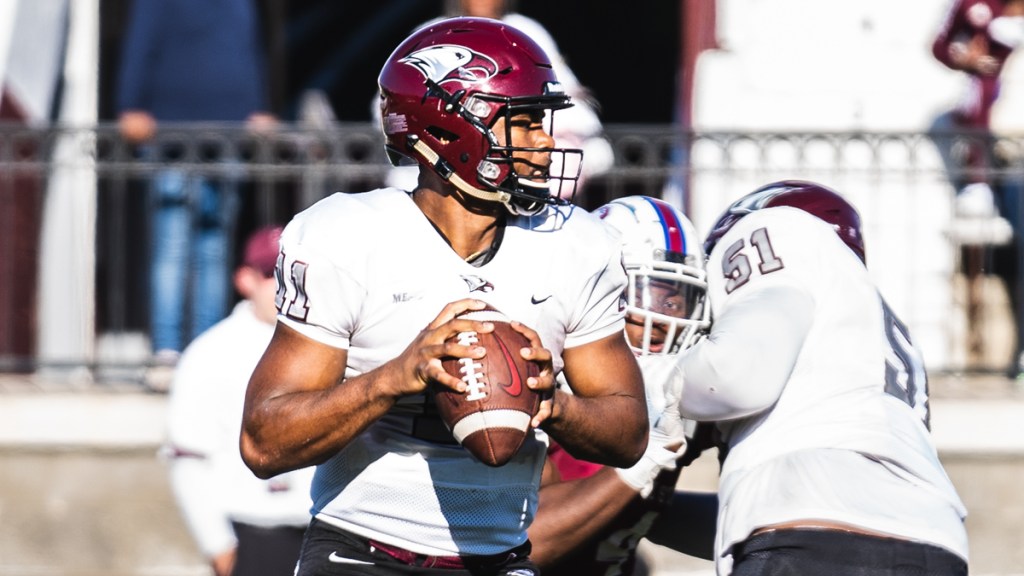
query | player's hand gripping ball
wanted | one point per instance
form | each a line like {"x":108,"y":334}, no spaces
{"x":492,"y":418}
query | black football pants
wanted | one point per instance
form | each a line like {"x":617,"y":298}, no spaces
{"x":811,"y":552}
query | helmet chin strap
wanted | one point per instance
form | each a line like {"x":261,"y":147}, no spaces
{"x":442,"y":168}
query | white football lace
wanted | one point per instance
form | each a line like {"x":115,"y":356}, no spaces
{"x":472,"y":371}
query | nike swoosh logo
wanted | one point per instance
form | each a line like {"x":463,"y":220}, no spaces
{"x":535,"y":300}
{"x":343,"y":560}
{"x":515,"y":387}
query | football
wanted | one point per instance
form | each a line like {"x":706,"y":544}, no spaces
{"x":492,"y":418}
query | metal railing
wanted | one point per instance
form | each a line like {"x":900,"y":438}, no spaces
{"x":74,"y":223}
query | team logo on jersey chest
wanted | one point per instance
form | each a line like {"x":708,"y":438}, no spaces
{"x":477,"y":284}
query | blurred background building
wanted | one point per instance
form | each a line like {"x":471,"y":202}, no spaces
{"x":703,"y":101}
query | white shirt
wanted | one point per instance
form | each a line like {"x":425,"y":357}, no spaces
{"x":366,"y":272}
{"x":578,"y":126}
{"x":211,"y":483}
{"x":820,"y":394}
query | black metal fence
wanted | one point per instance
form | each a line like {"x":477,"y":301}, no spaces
{"x":74,"y":221}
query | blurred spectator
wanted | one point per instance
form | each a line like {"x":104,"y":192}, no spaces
{"x":977,"y":37}
{"x":243,"y":525}
{"x":577,"y":127}
{"x":190,"y":61}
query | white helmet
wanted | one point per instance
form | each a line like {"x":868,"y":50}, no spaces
{"x":664,"y":260}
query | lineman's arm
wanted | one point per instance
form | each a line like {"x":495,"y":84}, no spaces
{"x":573,"y":512}
{"x":743,"y":365}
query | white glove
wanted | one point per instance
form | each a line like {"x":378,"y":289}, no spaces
{"x":670,"y":422}
{"x":656,"y":458}
{"x":662,"y":384}
{"x":663,"y":388}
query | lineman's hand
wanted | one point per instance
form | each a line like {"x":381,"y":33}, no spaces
{"x":662,"y":453}
{"x":663,"y":388}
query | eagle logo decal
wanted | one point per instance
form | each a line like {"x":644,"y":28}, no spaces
{"x":477,"y":284}
{"x":451,"y":63}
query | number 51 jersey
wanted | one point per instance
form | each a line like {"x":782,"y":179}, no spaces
{"x":844,"y":436}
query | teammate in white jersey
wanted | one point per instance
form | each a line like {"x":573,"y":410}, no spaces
{"x":370,"y":286}
{"x":821,"y":399}
{"x":243,"y":525}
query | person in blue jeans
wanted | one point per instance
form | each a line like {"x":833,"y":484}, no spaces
{"x":189,"y":61}
{"x":193,"y":222}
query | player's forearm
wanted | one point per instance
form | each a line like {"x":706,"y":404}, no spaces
{"x":572,"y":513}
{"x":609,"y":430}
{"x":604,"y":418}
{"x":298,"y":429}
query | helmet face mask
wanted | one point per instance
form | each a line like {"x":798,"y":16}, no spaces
{"x":530,"y":184}
{"x":666,"y":306}
{"x":451,"y":95}
{"x":667,"y":300}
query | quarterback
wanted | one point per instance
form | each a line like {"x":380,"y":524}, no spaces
{"x":370,"y":287}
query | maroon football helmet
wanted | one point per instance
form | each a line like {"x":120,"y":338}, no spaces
{"x":441,"y":93}
{"x":812,"y":198}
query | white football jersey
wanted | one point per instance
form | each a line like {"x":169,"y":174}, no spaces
{"x":367,"y":272}
{"x":211,"y":483}
{"x":818,"y":390}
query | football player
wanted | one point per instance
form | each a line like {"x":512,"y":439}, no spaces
{"x":821,"y":399}
{"x":370,"y":287}
{"x":591,"y":518}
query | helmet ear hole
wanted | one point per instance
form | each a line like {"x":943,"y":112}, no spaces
{"x":442,"y":135}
